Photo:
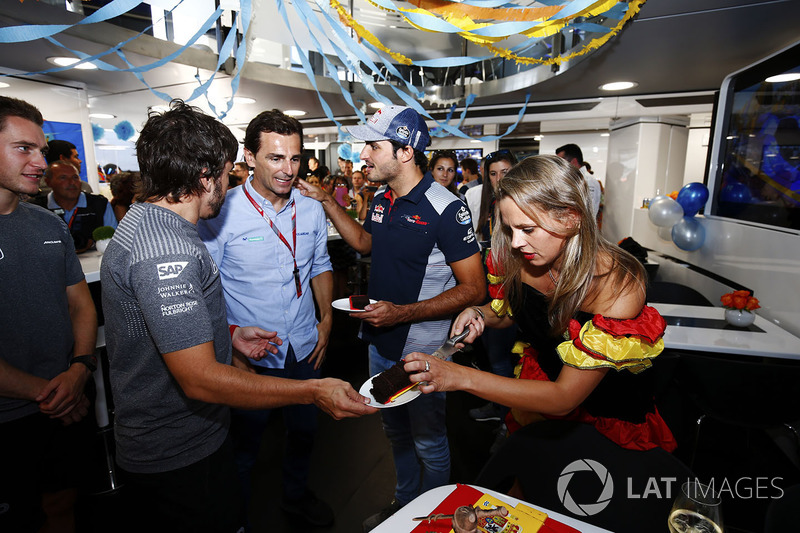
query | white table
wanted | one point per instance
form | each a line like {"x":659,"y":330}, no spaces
{"x":423,"y":505}
{"x":90,"y":262}
{"x":703,"y":329}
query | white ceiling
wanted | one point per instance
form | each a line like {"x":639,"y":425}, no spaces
{"x":673,"y":46}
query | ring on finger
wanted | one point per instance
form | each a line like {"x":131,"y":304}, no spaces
{"x":427,"y":366}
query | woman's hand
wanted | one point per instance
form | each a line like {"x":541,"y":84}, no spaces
{"x":433,"y":374}
{"x":469,"y":317}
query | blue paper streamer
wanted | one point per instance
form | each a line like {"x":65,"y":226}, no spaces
{"x":20,"y":34}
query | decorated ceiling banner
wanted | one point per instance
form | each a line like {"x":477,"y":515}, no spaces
{"x":488,"y":23}
{"x":521,"y":31}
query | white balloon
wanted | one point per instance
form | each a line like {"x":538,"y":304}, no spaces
{"x":664,"y":211}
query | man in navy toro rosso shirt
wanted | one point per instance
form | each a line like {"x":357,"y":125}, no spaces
{"x":425,"y":267}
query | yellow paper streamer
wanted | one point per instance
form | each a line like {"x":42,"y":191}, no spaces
{"x":545,"y":29}
{"x":363,"y":33}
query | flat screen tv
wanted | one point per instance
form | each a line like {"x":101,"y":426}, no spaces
{"x":754,"y":170}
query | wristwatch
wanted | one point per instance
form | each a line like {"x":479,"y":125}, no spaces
{"x":89,"y":360}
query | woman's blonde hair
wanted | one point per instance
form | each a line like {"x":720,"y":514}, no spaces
{"x":548,"y":184}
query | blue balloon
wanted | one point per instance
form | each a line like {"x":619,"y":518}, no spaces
{"x":735,"y":192}
{"x":692,"y":197}
{"x":688,"y":234}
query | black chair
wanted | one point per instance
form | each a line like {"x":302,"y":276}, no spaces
{"x":666,"y":292}
{"x":745,"y":393}
{"x":541,"y":456}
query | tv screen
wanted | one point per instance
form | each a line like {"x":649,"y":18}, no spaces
{"x":755,"y":159}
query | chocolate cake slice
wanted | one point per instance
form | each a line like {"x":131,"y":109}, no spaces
{"x":359,"y":302}
{"x":389,"y":382}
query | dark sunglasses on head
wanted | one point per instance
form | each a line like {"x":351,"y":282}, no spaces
{"x":500,"y":154}
{"x":444,"y":153}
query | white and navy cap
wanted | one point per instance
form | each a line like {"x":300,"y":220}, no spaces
{"x":395,"y":123}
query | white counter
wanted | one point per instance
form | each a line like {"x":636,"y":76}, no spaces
{"x":710,"y":333}
{"x":90,"y":262}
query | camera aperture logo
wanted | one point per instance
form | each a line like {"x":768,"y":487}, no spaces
{"x":590,"y":508}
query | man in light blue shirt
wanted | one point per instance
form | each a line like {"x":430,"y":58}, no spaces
{"x":270,"y":244}
{"x":82,"y":212}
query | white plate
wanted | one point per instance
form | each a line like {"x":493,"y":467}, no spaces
{"x":400,"y":400}
{"x":343,"y":304}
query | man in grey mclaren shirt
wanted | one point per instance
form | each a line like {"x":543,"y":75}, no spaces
{"x":169,"y":342}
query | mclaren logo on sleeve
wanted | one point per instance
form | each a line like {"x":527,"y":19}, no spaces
{"x":171,"y":270}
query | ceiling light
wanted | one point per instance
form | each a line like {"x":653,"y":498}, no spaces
{"x":789,"y":76}
{"x":475,"y":141}
{"x":3,"y":85}
{"x":112,"y":147}
{"x":604,"y":134}
{"x":294,"y":113}
{"x":101,"y":115}
{"x":243,"y":100}
{"x":618,"y":86}
{"x":377,"y":105}
{"x":159,"y":108}
{"x":67,"y":61}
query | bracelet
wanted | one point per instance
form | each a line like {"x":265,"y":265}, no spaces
{"x":479,"y":311}
{"x":232,"y":328}
{"x":90,"y":361}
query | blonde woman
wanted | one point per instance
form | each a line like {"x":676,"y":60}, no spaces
{"x":579,"y":302}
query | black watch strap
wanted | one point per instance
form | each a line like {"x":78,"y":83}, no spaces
{"x":89,"y":360}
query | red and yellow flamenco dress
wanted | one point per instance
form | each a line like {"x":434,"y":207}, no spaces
{"x":622,"y":406}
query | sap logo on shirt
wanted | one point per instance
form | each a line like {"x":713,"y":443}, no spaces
{"x":171,"y":270}
{"x":462,"y":217}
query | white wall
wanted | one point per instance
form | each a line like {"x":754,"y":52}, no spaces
{"x":646,"y":156}
{"x":697,"y":147}
{"x":593,"y":144}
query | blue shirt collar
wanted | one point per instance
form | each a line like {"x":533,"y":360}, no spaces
{"x":52,"y":204}
{"x":263,"y":202}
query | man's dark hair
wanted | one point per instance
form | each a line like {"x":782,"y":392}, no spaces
{"x":56,"y":148}
{"x":274,"y":121}
{"x":321,"y":172}
{"x":420,"y":159}
{"x":179,"y":147}
{"x":469,"y":164}
{"x":571,"y":151}
{"x":13,"y":107}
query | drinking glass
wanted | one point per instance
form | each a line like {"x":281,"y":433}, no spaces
{"x":696,"y":510}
